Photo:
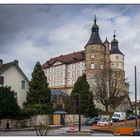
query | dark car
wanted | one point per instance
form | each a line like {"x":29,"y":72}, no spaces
{"x":91,"y":121}
{"x":136,"y":133}
{"x":131,"y":117}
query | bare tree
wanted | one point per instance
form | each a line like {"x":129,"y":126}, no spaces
{"x":40,"y":125}
{"x":109,"y":88}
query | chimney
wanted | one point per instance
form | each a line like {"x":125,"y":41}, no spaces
{"x":16,"y":61}
{"x":1,"y":61}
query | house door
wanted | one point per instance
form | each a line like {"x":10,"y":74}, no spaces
{"x":62,"y":119}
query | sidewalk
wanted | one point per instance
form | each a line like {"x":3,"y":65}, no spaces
{"x":30,"y":128}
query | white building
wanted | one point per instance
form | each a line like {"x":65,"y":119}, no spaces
{"x":63,"y":71}
{"x":11,"y":75}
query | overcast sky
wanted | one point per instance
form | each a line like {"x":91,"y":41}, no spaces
{"x":31,"y":33}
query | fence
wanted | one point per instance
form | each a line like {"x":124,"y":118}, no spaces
{"x":36,"y":120}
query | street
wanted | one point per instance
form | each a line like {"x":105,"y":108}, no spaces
{"x":56,"y":132}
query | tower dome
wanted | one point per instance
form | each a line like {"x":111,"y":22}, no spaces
{"x":95,"y":37}
{"x":114,"y":46}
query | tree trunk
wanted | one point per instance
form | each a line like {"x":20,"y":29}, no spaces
{"x":106,"y":108}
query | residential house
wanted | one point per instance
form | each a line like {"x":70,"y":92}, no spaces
{"x":12,"y":75}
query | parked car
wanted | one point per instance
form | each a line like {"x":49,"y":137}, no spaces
{"x":91,"y":121}
{"x":131,"y":117}
{"x":104,"y":122}
{"x":136,"y":133}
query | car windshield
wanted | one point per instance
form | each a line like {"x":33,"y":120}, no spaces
{"x":116,"y":115}
{"x":103,"y":119}
{"x":89,"y":119}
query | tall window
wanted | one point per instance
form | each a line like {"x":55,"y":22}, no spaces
{"x":22,"y":84}
{"x":92,"y":55}
{"x":92,"y":66}
{"x":102,"y":66}
{"x":1,"y":80}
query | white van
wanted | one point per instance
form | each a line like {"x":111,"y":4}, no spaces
{"x":119,"y":116}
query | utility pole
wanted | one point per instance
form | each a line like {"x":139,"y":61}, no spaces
{"x":136,"y":97}
{"x":79,"y":106}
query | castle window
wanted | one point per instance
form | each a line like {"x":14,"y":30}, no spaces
{"x":83,"y":64}
{"x":83,"y":71}
{"x":92,"y":66}
{"x":117,"y":57}
{"x":101,"y":56}
{"x":117,"y":64}
{"x":68,"y":74}
{"x":73,"y":73}
{"x":92,"y":55}
{"x":102,"y":66}
{"x":78,"y":73}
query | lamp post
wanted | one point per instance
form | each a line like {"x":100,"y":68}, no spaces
{"x":79,"y":108}
{"x":136,"y":123}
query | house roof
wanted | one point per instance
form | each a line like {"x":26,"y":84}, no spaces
{"x":4,"y":67}
{"x":66,"y":59}
{"x":58,"y":92}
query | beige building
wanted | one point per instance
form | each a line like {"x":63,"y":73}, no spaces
{"x":98,"y":56}
{"x":11,"y":75}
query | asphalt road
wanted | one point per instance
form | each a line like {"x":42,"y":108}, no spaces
{"x":55,"y":132}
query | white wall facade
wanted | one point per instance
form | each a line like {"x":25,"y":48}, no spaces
{"x":56,"y":75}
{"x":12,"y":78}
{"x":74,"y":70}
{"x":117,"y":61}
{"x":63,"y":75}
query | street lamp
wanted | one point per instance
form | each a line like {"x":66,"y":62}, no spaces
{"x":79,"y":111}
{"x":136,"y":97}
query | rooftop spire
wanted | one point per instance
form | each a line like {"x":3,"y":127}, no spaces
{"x":106,"y":40}
{"x":114,"y":34}
{"x":95,"y":19}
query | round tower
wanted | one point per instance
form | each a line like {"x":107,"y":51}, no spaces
{"x":116,"y":56}
{"x":94,"y":53}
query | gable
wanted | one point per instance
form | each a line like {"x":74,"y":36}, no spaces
{"x":12,"y":68}
{"x":57,"y":63}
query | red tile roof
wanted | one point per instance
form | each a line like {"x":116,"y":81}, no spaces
{"x":66,"y":59}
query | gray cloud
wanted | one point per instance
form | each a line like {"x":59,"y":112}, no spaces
{"x":33,"y":33}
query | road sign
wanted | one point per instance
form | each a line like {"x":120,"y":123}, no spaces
{"x":72,"y":128}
